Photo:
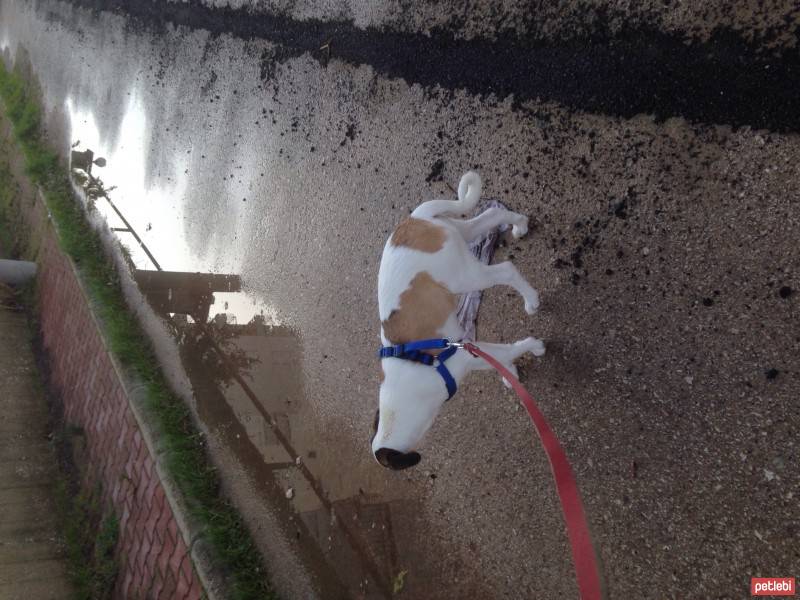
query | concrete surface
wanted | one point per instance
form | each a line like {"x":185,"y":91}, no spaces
{"x":662,"y":179}
{"x":32,"y":565}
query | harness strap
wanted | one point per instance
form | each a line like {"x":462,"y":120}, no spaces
{"x":413,"y":351}
{"x":400,"y":350}
{"x":449,"y":380}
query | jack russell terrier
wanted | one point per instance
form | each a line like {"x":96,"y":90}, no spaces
{"x":426,"y":263}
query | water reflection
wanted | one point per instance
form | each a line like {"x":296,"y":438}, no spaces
{"x":261,"y":415}
{"x":151,"y":215}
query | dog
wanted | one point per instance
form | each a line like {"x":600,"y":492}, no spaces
{"x":426,"y":264}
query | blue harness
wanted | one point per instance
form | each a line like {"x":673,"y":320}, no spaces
{"x":413,"y":352}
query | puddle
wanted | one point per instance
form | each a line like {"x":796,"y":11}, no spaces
{"x":246,"y":373}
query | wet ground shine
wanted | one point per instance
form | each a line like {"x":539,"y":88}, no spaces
{"x":263,"y":175}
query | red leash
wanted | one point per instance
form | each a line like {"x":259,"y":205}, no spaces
{"x":578,"y":531}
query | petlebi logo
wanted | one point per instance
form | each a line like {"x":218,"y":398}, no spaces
{"x":772,"y":586}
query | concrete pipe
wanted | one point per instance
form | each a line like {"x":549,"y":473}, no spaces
{"x":16,"y":272}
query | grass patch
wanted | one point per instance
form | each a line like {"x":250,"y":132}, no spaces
{"x":6,"y":193}
{"x":183,"y":454}
{"x":89,"y":537}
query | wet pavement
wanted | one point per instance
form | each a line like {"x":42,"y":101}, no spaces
{"x":264,"y":160}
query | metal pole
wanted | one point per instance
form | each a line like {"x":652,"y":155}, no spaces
{"x":16,"y":272}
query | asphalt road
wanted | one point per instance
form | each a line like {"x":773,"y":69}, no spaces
{"x":656,"y":151}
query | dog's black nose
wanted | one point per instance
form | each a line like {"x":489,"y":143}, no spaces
{"x":393,"y":459}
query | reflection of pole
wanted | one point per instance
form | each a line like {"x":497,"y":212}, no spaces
{"x":130,"y":230}
{"x":355,"y":543}
{"x":83,"y":160}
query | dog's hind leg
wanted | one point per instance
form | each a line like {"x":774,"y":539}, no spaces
{"x":478,"y":227}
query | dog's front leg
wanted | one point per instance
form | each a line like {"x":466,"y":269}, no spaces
{"x":478,"y":276}
{"x":506,"y":354}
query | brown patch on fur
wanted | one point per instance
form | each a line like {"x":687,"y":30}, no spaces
{"x":383,"y":375}
{"x":424,"y":309}
{"x":419,"y":234}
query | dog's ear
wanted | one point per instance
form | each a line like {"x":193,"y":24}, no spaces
{"x":397,"y":460}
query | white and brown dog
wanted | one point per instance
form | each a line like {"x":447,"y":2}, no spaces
{"x":426,"y":263}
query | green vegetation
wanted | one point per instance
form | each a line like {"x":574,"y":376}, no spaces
{"x":6,"y":193}
{"x":89,"y":539}
{"x":183,"y":452}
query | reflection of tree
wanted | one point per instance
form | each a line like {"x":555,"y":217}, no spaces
{"x":174,"y":295}
{"x":354,"y":534}
{"x":195,"y":338}
{"x":228,"y":429}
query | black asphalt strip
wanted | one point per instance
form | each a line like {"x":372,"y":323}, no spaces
{"x":723,"y":81}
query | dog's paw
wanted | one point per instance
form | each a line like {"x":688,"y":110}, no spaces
{"x":532,"y":303}
{"x":533,"y":345}
{"x":520,"y":229}
{"x":537,"y":347}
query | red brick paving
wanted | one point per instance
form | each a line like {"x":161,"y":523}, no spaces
{"x":152,"y":554}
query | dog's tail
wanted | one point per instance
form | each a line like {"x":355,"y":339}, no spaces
{"x":469,"y":192}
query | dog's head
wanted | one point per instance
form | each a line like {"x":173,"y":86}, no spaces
{"x":401,"y":421}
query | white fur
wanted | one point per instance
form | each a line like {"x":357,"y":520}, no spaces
{"x":412,"y":394}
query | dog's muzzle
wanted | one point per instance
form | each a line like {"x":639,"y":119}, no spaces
{"x":392,"y":459}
